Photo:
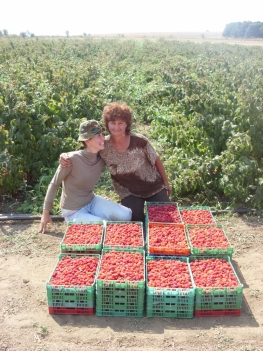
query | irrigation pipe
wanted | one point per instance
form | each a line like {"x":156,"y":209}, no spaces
{"x":19,"y":217}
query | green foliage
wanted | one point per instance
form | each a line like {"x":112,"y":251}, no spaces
{"x":202,"y":105}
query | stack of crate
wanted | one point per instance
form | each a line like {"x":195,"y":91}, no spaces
{"x":167,"y":243}
{"x":68,"y":289}
{"x":120,"y":285}
{"x":199,"y":225}
{"x":214,"y":295}
{"x":81,"y":247}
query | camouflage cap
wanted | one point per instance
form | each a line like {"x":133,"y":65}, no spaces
{"x":88,"y":129}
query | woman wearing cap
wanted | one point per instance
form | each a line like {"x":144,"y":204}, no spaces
{"x":78,"y":201}
{"x":137,"y":172}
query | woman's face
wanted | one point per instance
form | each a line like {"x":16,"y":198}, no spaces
{"x":96,"y":143}
{"x":117,"y":127}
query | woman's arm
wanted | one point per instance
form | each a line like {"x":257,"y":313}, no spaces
{"x":160,"y":168}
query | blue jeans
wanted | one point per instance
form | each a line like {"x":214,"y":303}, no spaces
{"x":99,"y":209}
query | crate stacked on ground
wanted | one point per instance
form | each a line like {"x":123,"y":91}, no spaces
{"x":218,"y":289}
{"x":167,"y":239}
{"x":71,"y":287}
{"x":163,"y":212}
{"x":83,"y":238}
{"x":120,"y":285}
{"x":196,"y":215}
{"x":165,"y":232}
{"x":170,"y":290}
{"x":208,"y":240}
{"x":123,"y":235}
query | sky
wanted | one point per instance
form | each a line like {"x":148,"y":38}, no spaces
{"x":55,"y":17}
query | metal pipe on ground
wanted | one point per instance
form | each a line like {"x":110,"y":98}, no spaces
{"x":19,"y":217}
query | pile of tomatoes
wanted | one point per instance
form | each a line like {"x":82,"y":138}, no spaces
{"x":81,"y":234}
{"x":213,"y":272}
{"x":207,"y":237}
{"x":75,"y":271}
{"x":122,"y":266}
{"x":167,"y":236}
{"x":168,"y":213}
{"x":196,"y":216}
{"x":168,"y":273}
{"x":124,"y":235}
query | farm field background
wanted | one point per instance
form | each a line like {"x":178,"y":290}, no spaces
{"x":46,"y":86}
{"x":199,"y":102}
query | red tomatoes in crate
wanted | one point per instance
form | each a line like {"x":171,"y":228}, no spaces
{"x":196,"y":216}
{"x":81,"y":234}
{"x":213,"y":272}
{"x":124,"y":234}
{"x":168,"y":213}
{"x":208,"y":237}
{"x":75,"y":271}
{"x":122,"y":266}
{"x":168,"y":236}
{"x":170,"y":273}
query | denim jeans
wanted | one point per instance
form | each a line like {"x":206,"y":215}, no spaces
{"x":99,"y":209}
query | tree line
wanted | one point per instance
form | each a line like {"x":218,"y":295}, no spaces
{"x":245,"y":29}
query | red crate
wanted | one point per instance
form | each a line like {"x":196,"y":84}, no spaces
{"x":71,"y":310}
{"x":217,"y":313}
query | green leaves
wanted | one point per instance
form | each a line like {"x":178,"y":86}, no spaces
{"x":203,"y":103}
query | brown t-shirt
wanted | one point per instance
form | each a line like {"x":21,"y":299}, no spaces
{"x":133,"y":171}
{"x":78,"y":181}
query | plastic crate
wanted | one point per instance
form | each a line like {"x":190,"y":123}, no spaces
{"x":215,"y":251}
{"x":82,"y":248}
{"x":71,"y":310}
{"x":195,"y":216}
{"x":120,"y":298}
{"x":162,"y":250}
{"x":122,"y":246}
{"x":170,"y":216}
{"x":165,"y":302}
{"x":217,"y":313}
{"x":218,"y":298}
{"x":61,"y":296}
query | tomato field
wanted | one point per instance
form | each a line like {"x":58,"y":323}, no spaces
{"x":200,"y":104}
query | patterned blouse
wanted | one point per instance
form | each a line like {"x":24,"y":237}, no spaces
{"x":133,"y":171}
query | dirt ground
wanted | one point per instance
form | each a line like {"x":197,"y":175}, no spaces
{"x":27,"y":260}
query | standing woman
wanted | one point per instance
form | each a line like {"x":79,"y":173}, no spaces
{"x":136,"y":169}
{"x":78,"y":201}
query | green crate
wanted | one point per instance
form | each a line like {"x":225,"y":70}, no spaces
{"x":120,"y":298}
{"x":121,"y":247}
{"x":71,"y":297}
{"x":195,"y":251}
{"x":160,"y":204}
{"x":83,"y":248}
{"x":119,"y":312}
{"x":164,"y":302}
{"x":205,"y":208}
{"x":211,"y":298}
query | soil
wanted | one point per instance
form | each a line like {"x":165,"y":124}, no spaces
{"x":27,"y":260}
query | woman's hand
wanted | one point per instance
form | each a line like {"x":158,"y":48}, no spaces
{"x":64,"y":160}
{"x":169,"y":189}
{"x":45,"y":219}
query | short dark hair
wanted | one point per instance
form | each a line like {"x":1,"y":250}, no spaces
{"x":117,"y":110}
